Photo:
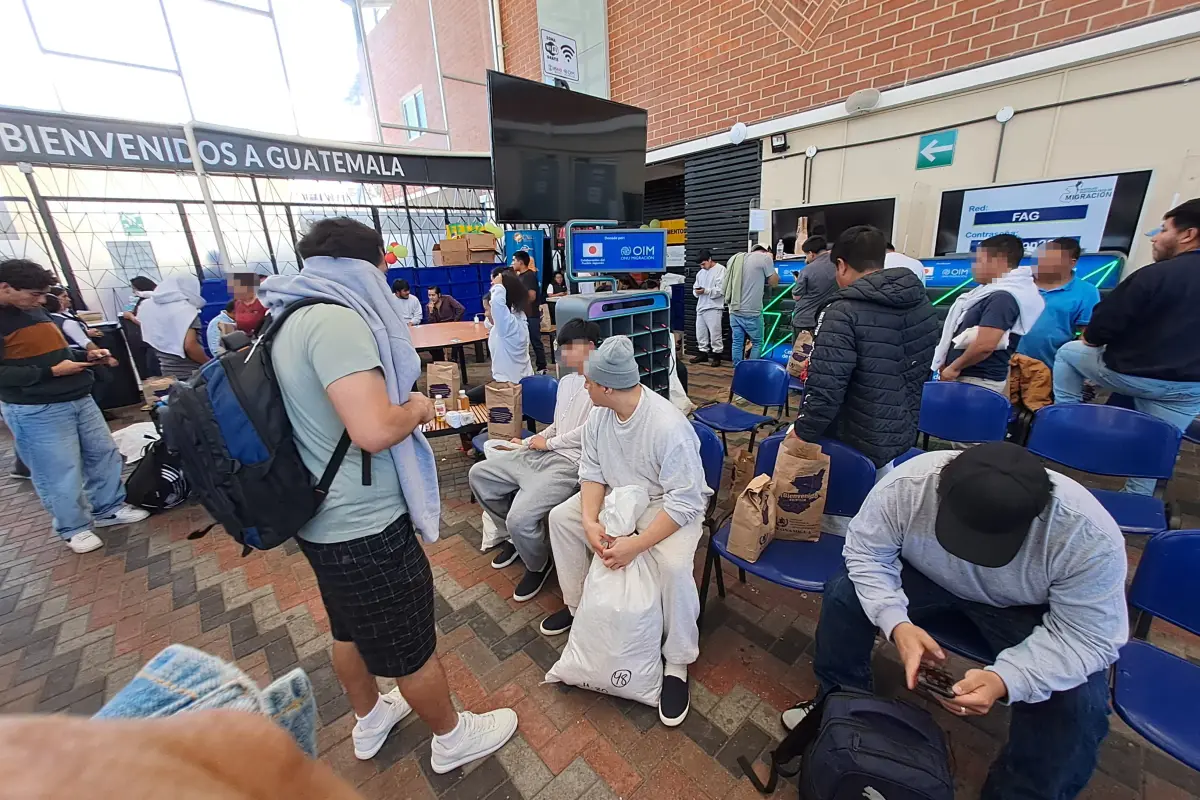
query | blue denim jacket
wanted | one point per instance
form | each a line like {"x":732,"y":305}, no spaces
{"x":181,"y":678}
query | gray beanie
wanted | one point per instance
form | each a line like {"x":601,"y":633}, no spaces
{"x":612,"y":365}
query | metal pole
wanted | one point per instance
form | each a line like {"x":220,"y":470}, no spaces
{"x":60,"y":252}
{"x":262,"y":217}
{"x":191,"y":240}
{"x":412,"y":237}
{"x":292,"y":230}
{"x":437,"y":64}
{"x":366,"y":67}
{"x":189,"y":130}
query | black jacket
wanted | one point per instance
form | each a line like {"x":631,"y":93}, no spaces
{"x":874,"y":343}
{"x":1149,"y":323}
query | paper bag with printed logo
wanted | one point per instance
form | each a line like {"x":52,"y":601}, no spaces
{"x":444,"y":378}
{"x":800,"y":480}
{"x":753,"y":525}
{"x":802,"y":350}
{"x":504,"y":410}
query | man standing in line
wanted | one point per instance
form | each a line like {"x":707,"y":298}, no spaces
{"x":1069,"y":303}
{"x":335,"y":362}
{"x":871,"y":355}
{"x":913,"y":265}
{"x":410,"y":307}
{"x":743,"y":291}
{"x":1026,"y":556}
{"x":814,"y":286}
{"x":519,"y":489}
{"x":1141,"y":340}
{"x":57,"y":428}
{"x":710,"y":308}
{"x":981,"y":331}
{"x":527,"y":272}
{"x":635,"y":436}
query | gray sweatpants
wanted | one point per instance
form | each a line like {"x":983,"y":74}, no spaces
{"x":518,"y":490}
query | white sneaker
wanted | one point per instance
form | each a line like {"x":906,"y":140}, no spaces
{"x":122,"y":516}
{"x":367,"y":741}
{"x":796,"y":714}
{"x":477,"y":736}
{"x":84,"y":542}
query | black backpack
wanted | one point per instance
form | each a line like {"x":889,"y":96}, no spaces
{"x":853,"y":745}
{"x":157,"y":482}
{"x":231,"y":429}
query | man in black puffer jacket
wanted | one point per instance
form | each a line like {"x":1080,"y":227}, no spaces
{"x":874,"y":342}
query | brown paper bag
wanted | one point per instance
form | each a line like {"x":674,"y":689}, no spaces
{"x":801,"y":352}
{"x":444,"y":378}
{"x":504,"y":410}
{"x":753,"y":525}
{"x":800,"y":479}
{"x":743,"y":471}
{"x":547,"y":324}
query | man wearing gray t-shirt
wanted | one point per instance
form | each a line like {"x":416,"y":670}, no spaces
{"x":636,"y":437}
{"x":1025,"y":556}
{"x":746,"y":302}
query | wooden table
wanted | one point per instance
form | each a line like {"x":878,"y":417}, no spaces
{"x":439,"y":427}
{"x":440,"y":335}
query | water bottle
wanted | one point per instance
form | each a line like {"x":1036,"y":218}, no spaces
{"x":464,"y":403}
{"x":779,"y":249}
{"x":439,"y":407}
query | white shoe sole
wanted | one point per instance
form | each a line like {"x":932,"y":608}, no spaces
{"x":367,"y":755}
{"x":112,"y":523}
{"x":674,"y":723}
{"x":525,"y":598}
{"x":507,"y":562}
{"x":442,"y":769}
{"x":82,"y":550}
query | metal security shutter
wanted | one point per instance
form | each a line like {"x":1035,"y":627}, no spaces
{"x":664,"y":199}
{"x":719,"y":186}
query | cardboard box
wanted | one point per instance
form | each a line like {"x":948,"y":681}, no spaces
{"x":481,"y":241}
{"x":483,"y":257}
{"x":453,"y":252}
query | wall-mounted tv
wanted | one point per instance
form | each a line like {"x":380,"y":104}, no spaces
{"x":1100,"y":211}
{"x":559,"y":155}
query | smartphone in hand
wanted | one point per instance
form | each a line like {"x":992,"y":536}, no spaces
{"x":936,"y":681}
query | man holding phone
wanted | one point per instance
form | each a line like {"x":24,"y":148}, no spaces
{"x":1025,"y":555}
{"x":59,"y":432}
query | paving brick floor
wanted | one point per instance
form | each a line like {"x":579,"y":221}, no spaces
{"x":74,"y":629}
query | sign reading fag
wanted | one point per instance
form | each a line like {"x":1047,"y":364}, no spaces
{"x":46,"y":138}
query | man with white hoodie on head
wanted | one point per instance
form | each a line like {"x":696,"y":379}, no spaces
{"x":984,"y":325}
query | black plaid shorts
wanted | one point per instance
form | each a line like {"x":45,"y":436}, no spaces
{"x":378,"y":592}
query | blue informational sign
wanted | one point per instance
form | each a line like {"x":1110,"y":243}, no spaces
{"x":614,"y":250}
{"x":531,"y":241}
{"x":950,"y":272}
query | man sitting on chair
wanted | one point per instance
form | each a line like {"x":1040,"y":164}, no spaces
{"x":1028,"y":557}
{"x":636,"y":437}
{"x":518,"y":489}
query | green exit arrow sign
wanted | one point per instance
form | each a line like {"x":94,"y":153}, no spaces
{"x":936,"y":149}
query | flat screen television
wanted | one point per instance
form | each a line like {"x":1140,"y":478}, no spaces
{"x":1099,"y":211}
{"x":559,"y":155}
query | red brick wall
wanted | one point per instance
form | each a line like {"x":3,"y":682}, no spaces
{"x":464,"y":37}
{"x":519,"y":32}
{"x":401,"y":51}
{"x":700,"y":65}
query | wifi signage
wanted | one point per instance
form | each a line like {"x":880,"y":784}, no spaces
{"x":560,"y":56}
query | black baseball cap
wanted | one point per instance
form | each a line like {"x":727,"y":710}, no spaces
{"x":989,"y":495}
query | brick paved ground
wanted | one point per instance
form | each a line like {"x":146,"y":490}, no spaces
{"x":74,"y":629}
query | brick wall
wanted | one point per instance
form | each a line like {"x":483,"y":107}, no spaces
{"x":699,"y":65}
{"x":464,"y":37}
{"x":401,"y":51}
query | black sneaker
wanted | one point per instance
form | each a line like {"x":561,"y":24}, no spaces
{"x":531,"y":584}
{"x":675,"y":701}
{"x":700,"y":359}
{"x":716,"y":361}
{"x":796,"y":714}
{"x":17,"y":475}
{"x":505,"y":555}
{"x":556,"y":623}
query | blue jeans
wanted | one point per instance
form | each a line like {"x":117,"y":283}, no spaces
{"x":743,"y":327}
{"x":1174,"y":402}
{"x":1052,"y":746}
{"x":181,"y":678}
{"x":75,"y":465}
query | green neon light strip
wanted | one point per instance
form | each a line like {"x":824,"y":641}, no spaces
{"x":958,"y":288}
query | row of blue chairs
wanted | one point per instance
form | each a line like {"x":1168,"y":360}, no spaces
{"x":1153,"y":691}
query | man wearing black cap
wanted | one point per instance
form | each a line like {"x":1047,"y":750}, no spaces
{"x":1025,"y":555}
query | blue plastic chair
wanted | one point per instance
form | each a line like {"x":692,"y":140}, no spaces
{"x":1158,"y":693}
{"x":539,"y":394}
{"x":1109,"y":440}
{"x":712,"y":456}
{"x":758,"y":380}
{"x":798,"y":565}
{"x":962,"y":412}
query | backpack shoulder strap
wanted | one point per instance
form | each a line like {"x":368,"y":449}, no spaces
{"x":792,"y":746}
{"x":277,"y":321}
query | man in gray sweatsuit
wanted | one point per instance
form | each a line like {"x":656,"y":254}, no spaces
{"x":1027,"y":556}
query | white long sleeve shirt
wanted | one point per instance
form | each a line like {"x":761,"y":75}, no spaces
{"x":508,"y":340}
{"x":712,"y":281}
{"x":571,"y":408}
{"x":1073,"y":560}
{"x":410,"y":309}
{"x":656,"y":448}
